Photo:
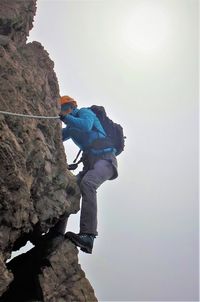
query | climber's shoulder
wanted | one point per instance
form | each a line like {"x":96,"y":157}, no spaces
{"x":86,"y":112}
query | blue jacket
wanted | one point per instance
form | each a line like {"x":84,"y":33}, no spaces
{"x":83,"y":127}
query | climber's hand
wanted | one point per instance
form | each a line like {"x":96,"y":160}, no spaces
{"x":62,"y":117}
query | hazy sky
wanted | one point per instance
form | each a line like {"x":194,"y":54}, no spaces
{"x":139,"y":59}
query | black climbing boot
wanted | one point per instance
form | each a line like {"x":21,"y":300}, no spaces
{"x":84,"y":241}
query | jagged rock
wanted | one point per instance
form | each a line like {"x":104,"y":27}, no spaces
{"x":39,"y":275}
{"x":16,"y":19}
{"x":33,"y":174}
{"x":4,"y":40}
{"x":5,"y":276}
{"x":36,"y":189}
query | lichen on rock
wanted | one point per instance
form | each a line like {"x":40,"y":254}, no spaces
{"x":36,"y":188}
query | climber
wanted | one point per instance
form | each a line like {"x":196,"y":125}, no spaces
{"x":83,"y":127}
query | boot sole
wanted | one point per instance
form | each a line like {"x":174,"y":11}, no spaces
{"x":82,"y":247}
{"x":86,"y":250}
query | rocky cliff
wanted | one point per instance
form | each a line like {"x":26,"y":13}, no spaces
{"x":36,"y":188}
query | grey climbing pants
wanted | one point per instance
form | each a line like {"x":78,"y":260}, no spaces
{"x":92,"y":179}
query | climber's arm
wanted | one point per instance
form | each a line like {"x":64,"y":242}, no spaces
{"x":84,"y":121}
{"x":65,"y":134}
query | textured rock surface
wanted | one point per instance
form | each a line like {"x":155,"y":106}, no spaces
{"x":35,"y":186}
{"x":43,"y":278}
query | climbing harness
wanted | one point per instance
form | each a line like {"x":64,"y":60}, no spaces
{"x":29,"y":116}
{"x":75,"y":163}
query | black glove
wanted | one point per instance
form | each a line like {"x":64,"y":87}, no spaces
{"x":62,"y":117}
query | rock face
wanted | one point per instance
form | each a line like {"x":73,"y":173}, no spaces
{"x":36,"y":188}
{"x":43,"y":277}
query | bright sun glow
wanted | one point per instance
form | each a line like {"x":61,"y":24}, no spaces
{"x":147,"y":27}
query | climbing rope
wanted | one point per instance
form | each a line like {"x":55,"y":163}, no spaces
{"x":29,"y":116}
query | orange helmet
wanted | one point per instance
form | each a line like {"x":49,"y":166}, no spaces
{"x":67,"y":100}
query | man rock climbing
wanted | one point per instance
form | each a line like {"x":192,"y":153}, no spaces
{"x":99,"y":165}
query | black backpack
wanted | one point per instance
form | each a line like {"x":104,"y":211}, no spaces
{"x":115,"y":136}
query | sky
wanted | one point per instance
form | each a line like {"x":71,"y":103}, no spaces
{"x":139,"y":59}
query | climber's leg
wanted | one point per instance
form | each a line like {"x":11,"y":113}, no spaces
{"x":102,"y":171}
